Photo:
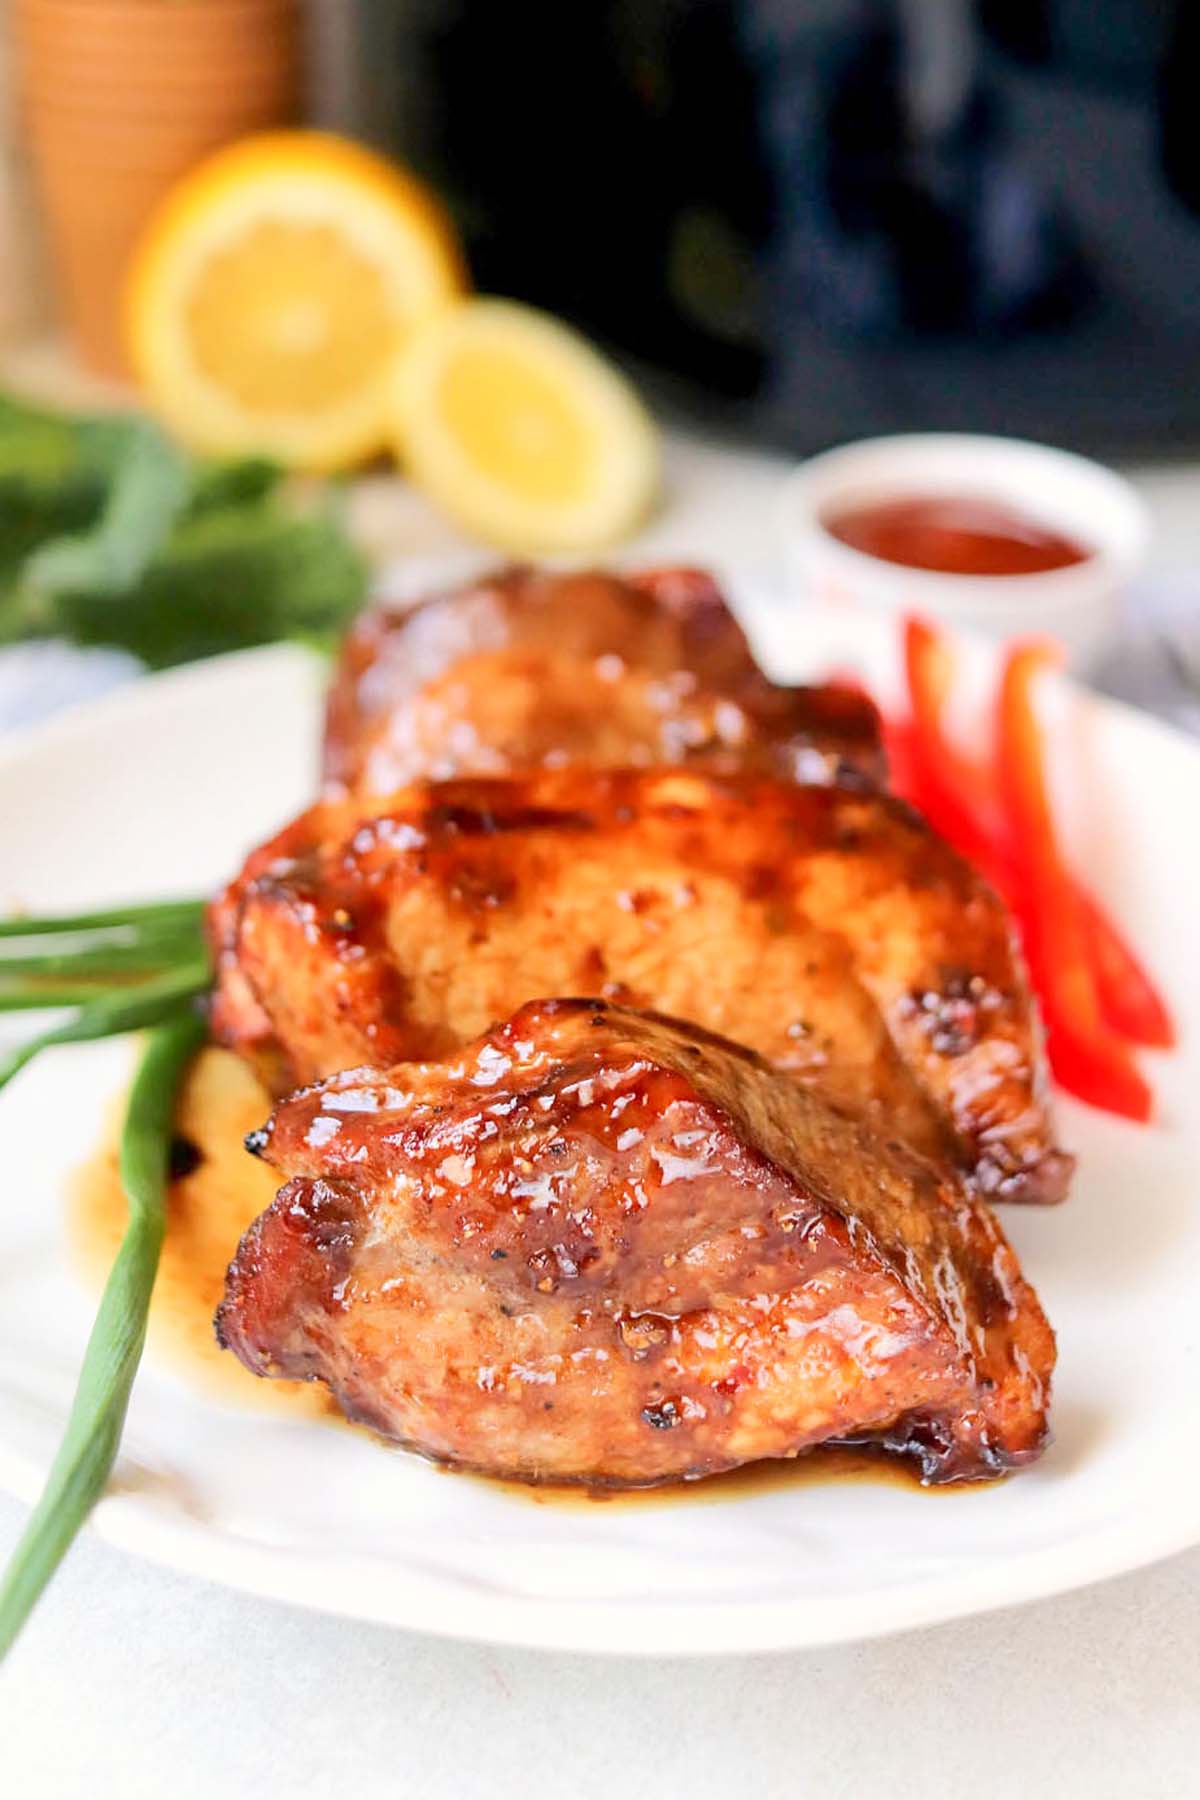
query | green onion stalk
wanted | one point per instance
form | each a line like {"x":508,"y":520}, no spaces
{"x":123,"y":970}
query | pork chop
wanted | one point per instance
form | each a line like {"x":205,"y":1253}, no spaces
{"x":826,"y":928}
{"x":603,"y":1247}
{"x":527,"y":669}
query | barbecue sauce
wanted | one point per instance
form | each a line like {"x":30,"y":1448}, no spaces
{"x":815,"y":1468}
{"x":954,"y":534}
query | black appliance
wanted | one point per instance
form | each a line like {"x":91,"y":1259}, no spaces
{"x":820,"y":219}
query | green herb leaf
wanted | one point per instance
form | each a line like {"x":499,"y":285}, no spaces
{"x":225,"y":580}
{"x":54,"y":474}
{"x":89,"y":1447}
{"x":110,"y":535}
{"x":234,"y":483}
{"x":150,"y":489}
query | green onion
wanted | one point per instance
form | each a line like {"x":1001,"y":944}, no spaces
{"x":74,"y":961}
{"x":68,"y":974}
{"x":122,"y":970}
{"x":96,"y":961}
{"x":89,"y":1447}
{"x":169,"y":914}
{"x":114,"y":1011}
{"x":35,"y":996}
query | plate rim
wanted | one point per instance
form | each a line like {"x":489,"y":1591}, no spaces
{"x":141,"y":692}
{"x":665,"y":1625}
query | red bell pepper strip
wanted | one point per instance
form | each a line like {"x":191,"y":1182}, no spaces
{"x":959,"y":798}
{"x":953,"y":793}
{"x":1088,"y":1058}
{"x":1129,"y":1001}
{"x":901,"y":751}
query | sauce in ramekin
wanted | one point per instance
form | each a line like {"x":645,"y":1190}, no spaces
{"x":954,"y":534}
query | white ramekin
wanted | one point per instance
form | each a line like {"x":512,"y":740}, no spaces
{"x":1079,"y":605}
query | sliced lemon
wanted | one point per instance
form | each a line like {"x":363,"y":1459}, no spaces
{"x":273,"y":289}
{"x":521,"y":431}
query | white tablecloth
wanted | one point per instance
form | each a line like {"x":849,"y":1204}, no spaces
{"x":133,"y":1682}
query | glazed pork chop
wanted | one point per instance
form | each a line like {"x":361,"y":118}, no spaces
{"x":603,"y":1247}
{"x":826,"y":928}
{"x":527,"y":669}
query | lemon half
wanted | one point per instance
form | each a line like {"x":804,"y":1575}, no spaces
{"x":521,"y":431}
{"x":273,"y":290}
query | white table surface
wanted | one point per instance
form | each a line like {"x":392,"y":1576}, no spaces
{"x":133,"y":1682}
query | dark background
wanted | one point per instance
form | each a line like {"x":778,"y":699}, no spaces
{"x":817,"y":219}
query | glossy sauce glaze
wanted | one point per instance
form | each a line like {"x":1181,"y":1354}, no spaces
{"x":603,"y":1248}
{"x":954,"y":534}
{"x":218,"y":1189}
{"x":522,"y":669}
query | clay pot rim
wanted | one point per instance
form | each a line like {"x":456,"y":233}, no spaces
{"x":81,"y":30}
{"x":179,"y":10}
{"x":212,"y":96}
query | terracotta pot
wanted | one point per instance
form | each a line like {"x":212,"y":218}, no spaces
{"x":121,"y":98}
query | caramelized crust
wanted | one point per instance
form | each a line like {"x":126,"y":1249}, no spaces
{"x":824,"y":927}
{"x":528,"y":669}
{"x":604,"y":1247}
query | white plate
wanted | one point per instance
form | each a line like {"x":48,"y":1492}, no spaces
{"x":159,"y":791}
